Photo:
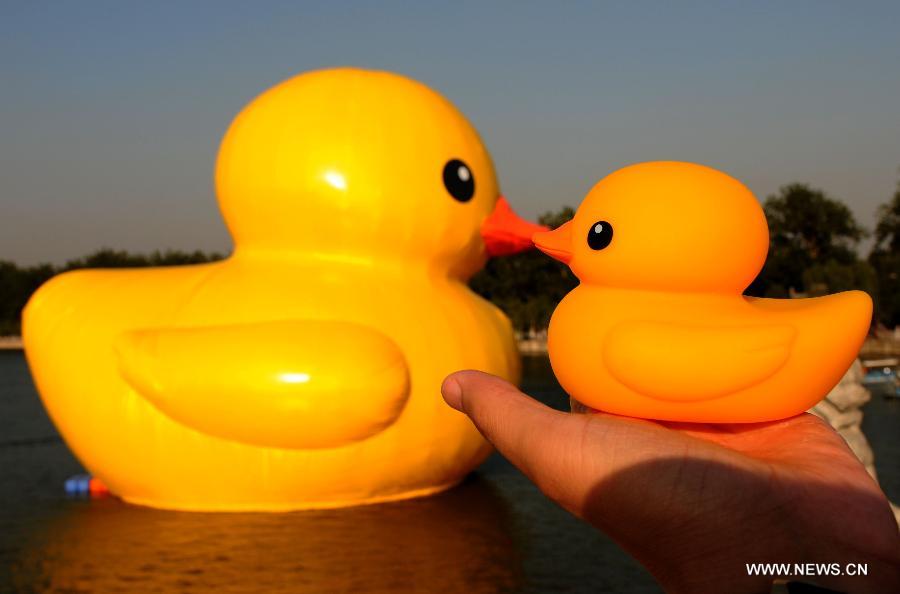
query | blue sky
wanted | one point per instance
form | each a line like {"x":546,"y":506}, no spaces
{"x":111,"y":112}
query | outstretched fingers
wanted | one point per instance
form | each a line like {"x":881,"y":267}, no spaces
{"x":566,"y":455}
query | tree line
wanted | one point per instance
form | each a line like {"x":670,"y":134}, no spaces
{"x":18,"y":283}
{"x":813,"y":250}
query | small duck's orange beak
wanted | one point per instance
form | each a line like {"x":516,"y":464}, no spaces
{"x":506,"y":233}
{"x":557,"y":243}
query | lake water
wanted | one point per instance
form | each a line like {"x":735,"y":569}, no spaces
{"x":494,"y":533}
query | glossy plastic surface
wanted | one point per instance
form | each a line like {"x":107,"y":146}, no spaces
{"x":658,"y":327}
{"x":303,"y":371}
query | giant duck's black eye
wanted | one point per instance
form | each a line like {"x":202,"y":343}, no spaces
{"x":600,"y":235}
{"x":458,"y":180}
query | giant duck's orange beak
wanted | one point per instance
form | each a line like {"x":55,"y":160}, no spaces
{"x":506,"y":233}
{"x":557,"y":243}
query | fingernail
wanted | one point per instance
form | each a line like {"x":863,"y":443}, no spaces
{"x":452,"y":392}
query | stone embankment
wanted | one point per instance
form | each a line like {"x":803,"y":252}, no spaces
{"x":842,"y":409}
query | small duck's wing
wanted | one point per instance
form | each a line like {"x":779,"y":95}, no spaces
{"x":686,"y":363}
{"x":286,"y":384}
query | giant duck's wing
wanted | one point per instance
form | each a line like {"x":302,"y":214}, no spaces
{"x":287,"y":384}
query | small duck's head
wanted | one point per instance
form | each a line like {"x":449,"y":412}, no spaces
{"x":664,"y":226}
{"x":360,"y":166}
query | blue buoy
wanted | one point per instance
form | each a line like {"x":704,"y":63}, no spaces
{"x":78,"y":485}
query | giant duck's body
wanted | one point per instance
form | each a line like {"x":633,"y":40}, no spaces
{"x":304,"y":370}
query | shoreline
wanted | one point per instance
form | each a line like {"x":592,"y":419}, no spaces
{"x":11,"y":343}
{"x":532,"y":344}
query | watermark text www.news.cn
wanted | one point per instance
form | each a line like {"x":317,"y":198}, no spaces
{"x":807,"y":569}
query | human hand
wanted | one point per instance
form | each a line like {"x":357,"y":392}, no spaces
{"x":694,"y":503}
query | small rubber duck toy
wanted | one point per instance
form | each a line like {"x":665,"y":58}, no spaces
{"x":658,"y":327}
{"x":304,"y":370}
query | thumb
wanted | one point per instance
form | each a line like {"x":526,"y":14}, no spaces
{"x":545,"y":444}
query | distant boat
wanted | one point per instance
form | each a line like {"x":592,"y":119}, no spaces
{"x":880,"y":372}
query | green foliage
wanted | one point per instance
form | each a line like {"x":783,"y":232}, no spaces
{"x":885,"y":260}
{"x":527,"y":286}
{"x":833,"y":277}
{"x":107,"y":258}
{"x":812,"y":224}
{"x":17,"y":284}
{"x":887,"y":229}
{"x":812,"y":241}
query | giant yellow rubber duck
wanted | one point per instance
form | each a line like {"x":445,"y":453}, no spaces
{"x":303,"y":371}
{"x":658,"y":326}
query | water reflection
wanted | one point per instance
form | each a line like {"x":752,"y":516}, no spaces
{"x":453,"y":542}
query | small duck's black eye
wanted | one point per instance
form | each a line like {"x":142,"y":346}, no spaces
{"x":458,"y":180}
{"x":600,"y":235}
